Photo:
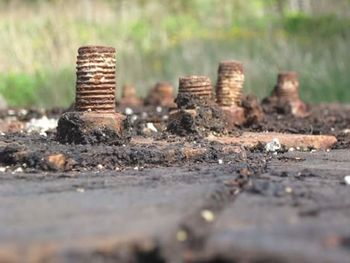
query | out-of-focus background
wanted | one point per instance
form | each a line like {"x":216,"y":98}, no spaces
{"x":164,"y":39}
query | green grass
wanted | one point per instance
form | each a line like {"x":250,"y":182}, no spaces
{"x":162,"y":41}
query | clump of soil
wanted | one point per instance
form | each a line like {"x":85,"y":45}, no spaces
{"x":34,"y":153}
{"x":196,"y":116}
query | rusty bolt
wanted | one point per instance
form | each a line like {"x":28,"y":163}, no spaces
{"x":229,"y":88}
{"x":199,"y":86}
{"x":194,"y":91}
{"x":162,"y":94}
{"x":287,"y":91}
{"x":129,"y":96}
{"x":230,"y":83}
{"x":197,"y":111}
{"x":94,"y":118}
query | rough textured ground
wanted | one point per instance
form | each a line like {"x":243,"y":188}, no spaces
{"x":187,"y":201}
{"x":295,"y":208}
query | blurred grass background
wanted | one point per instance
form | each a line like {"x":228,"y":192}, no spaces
{"x":164,"y":39}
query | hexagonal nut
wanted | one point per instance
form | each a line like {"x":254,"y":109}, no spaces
{"x":93,"y":128}
{"x":234,"y":116}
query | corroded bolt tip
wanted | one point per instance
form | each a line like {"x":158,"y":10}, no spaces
{"x":287,"y":87}
{"x":94,"y":119}
{"x":162,"y":94}
{"x":198,"y":86}
{"x":230,"y":83}
{"x":129,"y":96}
{"x":95,"y":85}
{"x":165,"y":90}
{"x":128,"y":91}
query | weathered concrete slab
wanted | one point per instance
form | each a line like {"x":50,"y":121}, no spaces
{"x":57,"y":216}
{"x":297,"y":212}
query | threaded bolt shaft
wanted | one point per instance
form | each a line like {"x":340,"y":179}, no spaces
{"x":287,"y":87}
{"x":229,"y":86}
{"x":96,"y":81}
{"x":199,"y":86}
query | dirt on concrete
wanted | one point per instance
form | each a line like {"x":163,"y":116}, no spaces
{"x":323,"y":120}
{"x":196,"y":116}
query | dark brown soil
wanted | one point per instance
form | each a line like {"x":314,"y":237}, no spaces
{"x":196,"y":116}
{"x":323,"y":120}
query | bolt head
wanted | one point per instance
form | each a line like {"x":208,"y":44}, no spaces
{"x":234,"y":116}
{"x":92,"y":128}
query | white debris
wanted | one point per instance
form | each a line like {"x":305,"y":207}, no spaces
{"x":11,"y":112}
{"x":291,"y":149}
{"x":2,"y":169}
{"x":347,"y":179}
{"x":289,"y":190}
{"x":134,"y":118}
{"x":136,"y":168}
{"x":151,"y":127}
{"x":41,"y":125}
{"x":144,"y":115}
{"x":23,"y":112}
{"x":273,"y":146}
{"x":128,"y":111}
{"x":346,"y":131}
{"x":100,"y":167}
{"x":220,"y":161}
{"x":19,"y":170}
{"x":159,"y":109}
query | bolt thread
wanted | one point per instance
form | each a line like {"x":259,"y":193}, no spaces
{"x":96,"y":82}
{"x":229,"y":86}
{"x":287,"y":87}
{"x":198,"y":86}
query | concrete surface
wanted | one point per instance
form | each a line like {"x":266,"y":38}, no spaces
{"x":297,"y":210}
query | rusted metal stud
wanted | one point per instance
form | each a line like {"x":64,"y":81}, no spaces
{"x":287,"y":91}
{"x":129,"y":97}
{"x":229,"y":88}
{"x":197,"y":112}
{"x":94,"y":119}
{"x":162,"y":94}
{"x":194,"y":91}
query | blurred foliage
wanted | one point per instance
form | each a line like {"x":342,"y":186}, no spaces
{"x":161,"y":40}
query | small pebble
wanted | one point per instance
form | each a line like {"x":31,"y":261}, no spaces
{"x":208,"y":215}
{"x":159,"y":109}
{"x":2,"y":169}
{"x":220,"y":161}
{"x":289,"y":190}
{"x":100,"y":167}
{"x":181,"y":235}
{"x":80,"y":190}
